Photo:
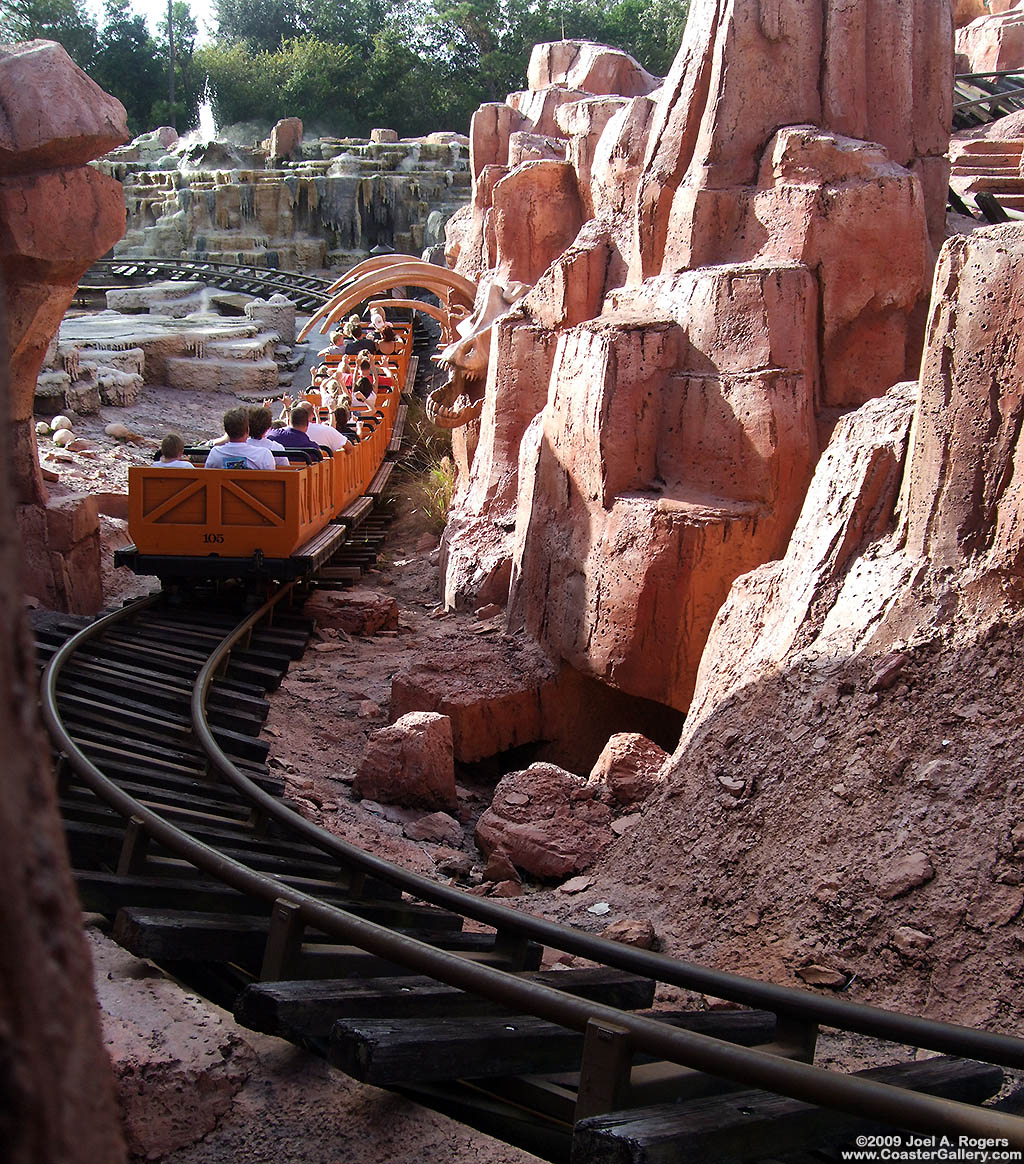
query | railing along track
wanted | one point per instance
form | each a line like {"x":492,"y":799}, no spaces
{"x":613,"y":1035}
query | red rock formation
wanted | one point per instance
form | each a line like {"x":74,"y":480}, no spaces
{"x":410,"y":763}
{"x":756,"y":260}
{"x":861,"y":695}
{"x":57,"y":215}
{"x":545,"y":821}
{"x":992,"y":41}
{"x":57,"y":1090}
{"x":917,"y":495}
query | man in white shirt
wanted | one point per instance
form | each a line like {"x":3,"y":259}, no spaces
{"x":324,"y":434}
{"x":237,"y":453}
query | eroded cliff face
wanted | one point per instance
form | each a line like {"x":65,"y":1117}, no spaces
{"x":992,"y":39}
{"x":720,"y":267}
{"x":56,"y":1089}
{"x":862,"y":694}
{"x":57,"y":215}
{"x":287,"y":205}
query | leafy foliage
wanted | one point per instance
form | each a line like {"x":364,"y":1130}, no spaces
{"x":127,"y":63}
{"x":189,"y":80}
{"x":342,"y":67}
{"x":64,"y":21}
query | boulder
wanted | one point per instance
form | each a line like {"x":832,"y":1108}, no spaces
{"x":177,"y":1064}
{"x":993,"y":41}
{"x":410,"y":763}
{"x":357,"y":612}
{"x":499,"y":868}
{"x":75,"y":122}
{"x":383,"y":135}
{"x":116,"y":388}
{"x":546,"y":821}
{"x":594,"y":68}
{"x":489,"y":692}
{"x":911,"y":943}
{"x":827,"y":976}
{"x":274,"y":314}
{"x":637,"y":932}
{"x":629,"y":766}
{"x":905,"y":873}
{"x":437,"y":827}
{"x":286,"y":139}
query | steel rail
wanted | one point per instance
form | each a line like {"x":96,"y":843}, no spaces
{"x":962,"y":105}
{"x":994,"y":73}
{"x":905,"y":1109}
{"x":311,"y":288}
{"x":949,"y":1038}
{"x":315,"y":282}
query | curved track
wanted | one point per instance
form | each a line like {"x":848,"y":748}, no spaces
{"x":178,"y":831}
{"x":979,"y":98}
{"x":307,"y":292}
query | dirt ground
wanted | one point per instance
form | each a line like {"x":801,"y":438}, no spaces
{"x":847,"y":787}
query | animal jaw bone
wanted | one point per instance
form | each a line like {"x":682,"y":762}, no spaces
{"x":460,"y":399}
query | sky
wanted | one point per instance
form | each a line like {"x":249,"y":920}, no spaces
{"x":156,"y":10}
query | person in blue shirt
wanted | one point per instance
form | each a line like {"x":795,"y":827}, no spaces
{"x":295,"y":436}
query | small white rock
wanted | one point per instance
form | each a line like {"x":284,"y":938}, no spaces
{"x":63,"y":437}
{"x":599,"y":907}
{"x":60,"y":422}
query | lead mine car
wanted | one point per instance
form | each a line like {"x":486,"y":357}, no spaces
{"x":230,"y":523}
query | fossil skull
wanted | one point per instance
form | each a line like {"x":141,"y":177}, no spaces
{"x":461,"y":398}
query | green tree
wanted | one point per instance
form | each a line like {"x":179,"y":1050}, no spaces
{"x":188,"y":80}
{"x":61,"y":20}
{"x":259,"y":24}
{"x":324,"y":82}
{"x":650,"y":30}
{"x":128,"y":64}
{"x":246,"y":84}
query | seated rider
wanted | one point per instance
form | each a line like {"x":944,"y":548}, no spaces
{"x":363,"y":395}
{"x":357,"y":342}
{"x":296,"y":436}
{"x":172,"y":449}
{"x":237,"y":453}
{"x":387,"y":341}
{"x":343,"y":423}
{"x":323,"y":434}
{"x":333,"y":353}
{"x":333,"y":394}
{"x":260,"y":421}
